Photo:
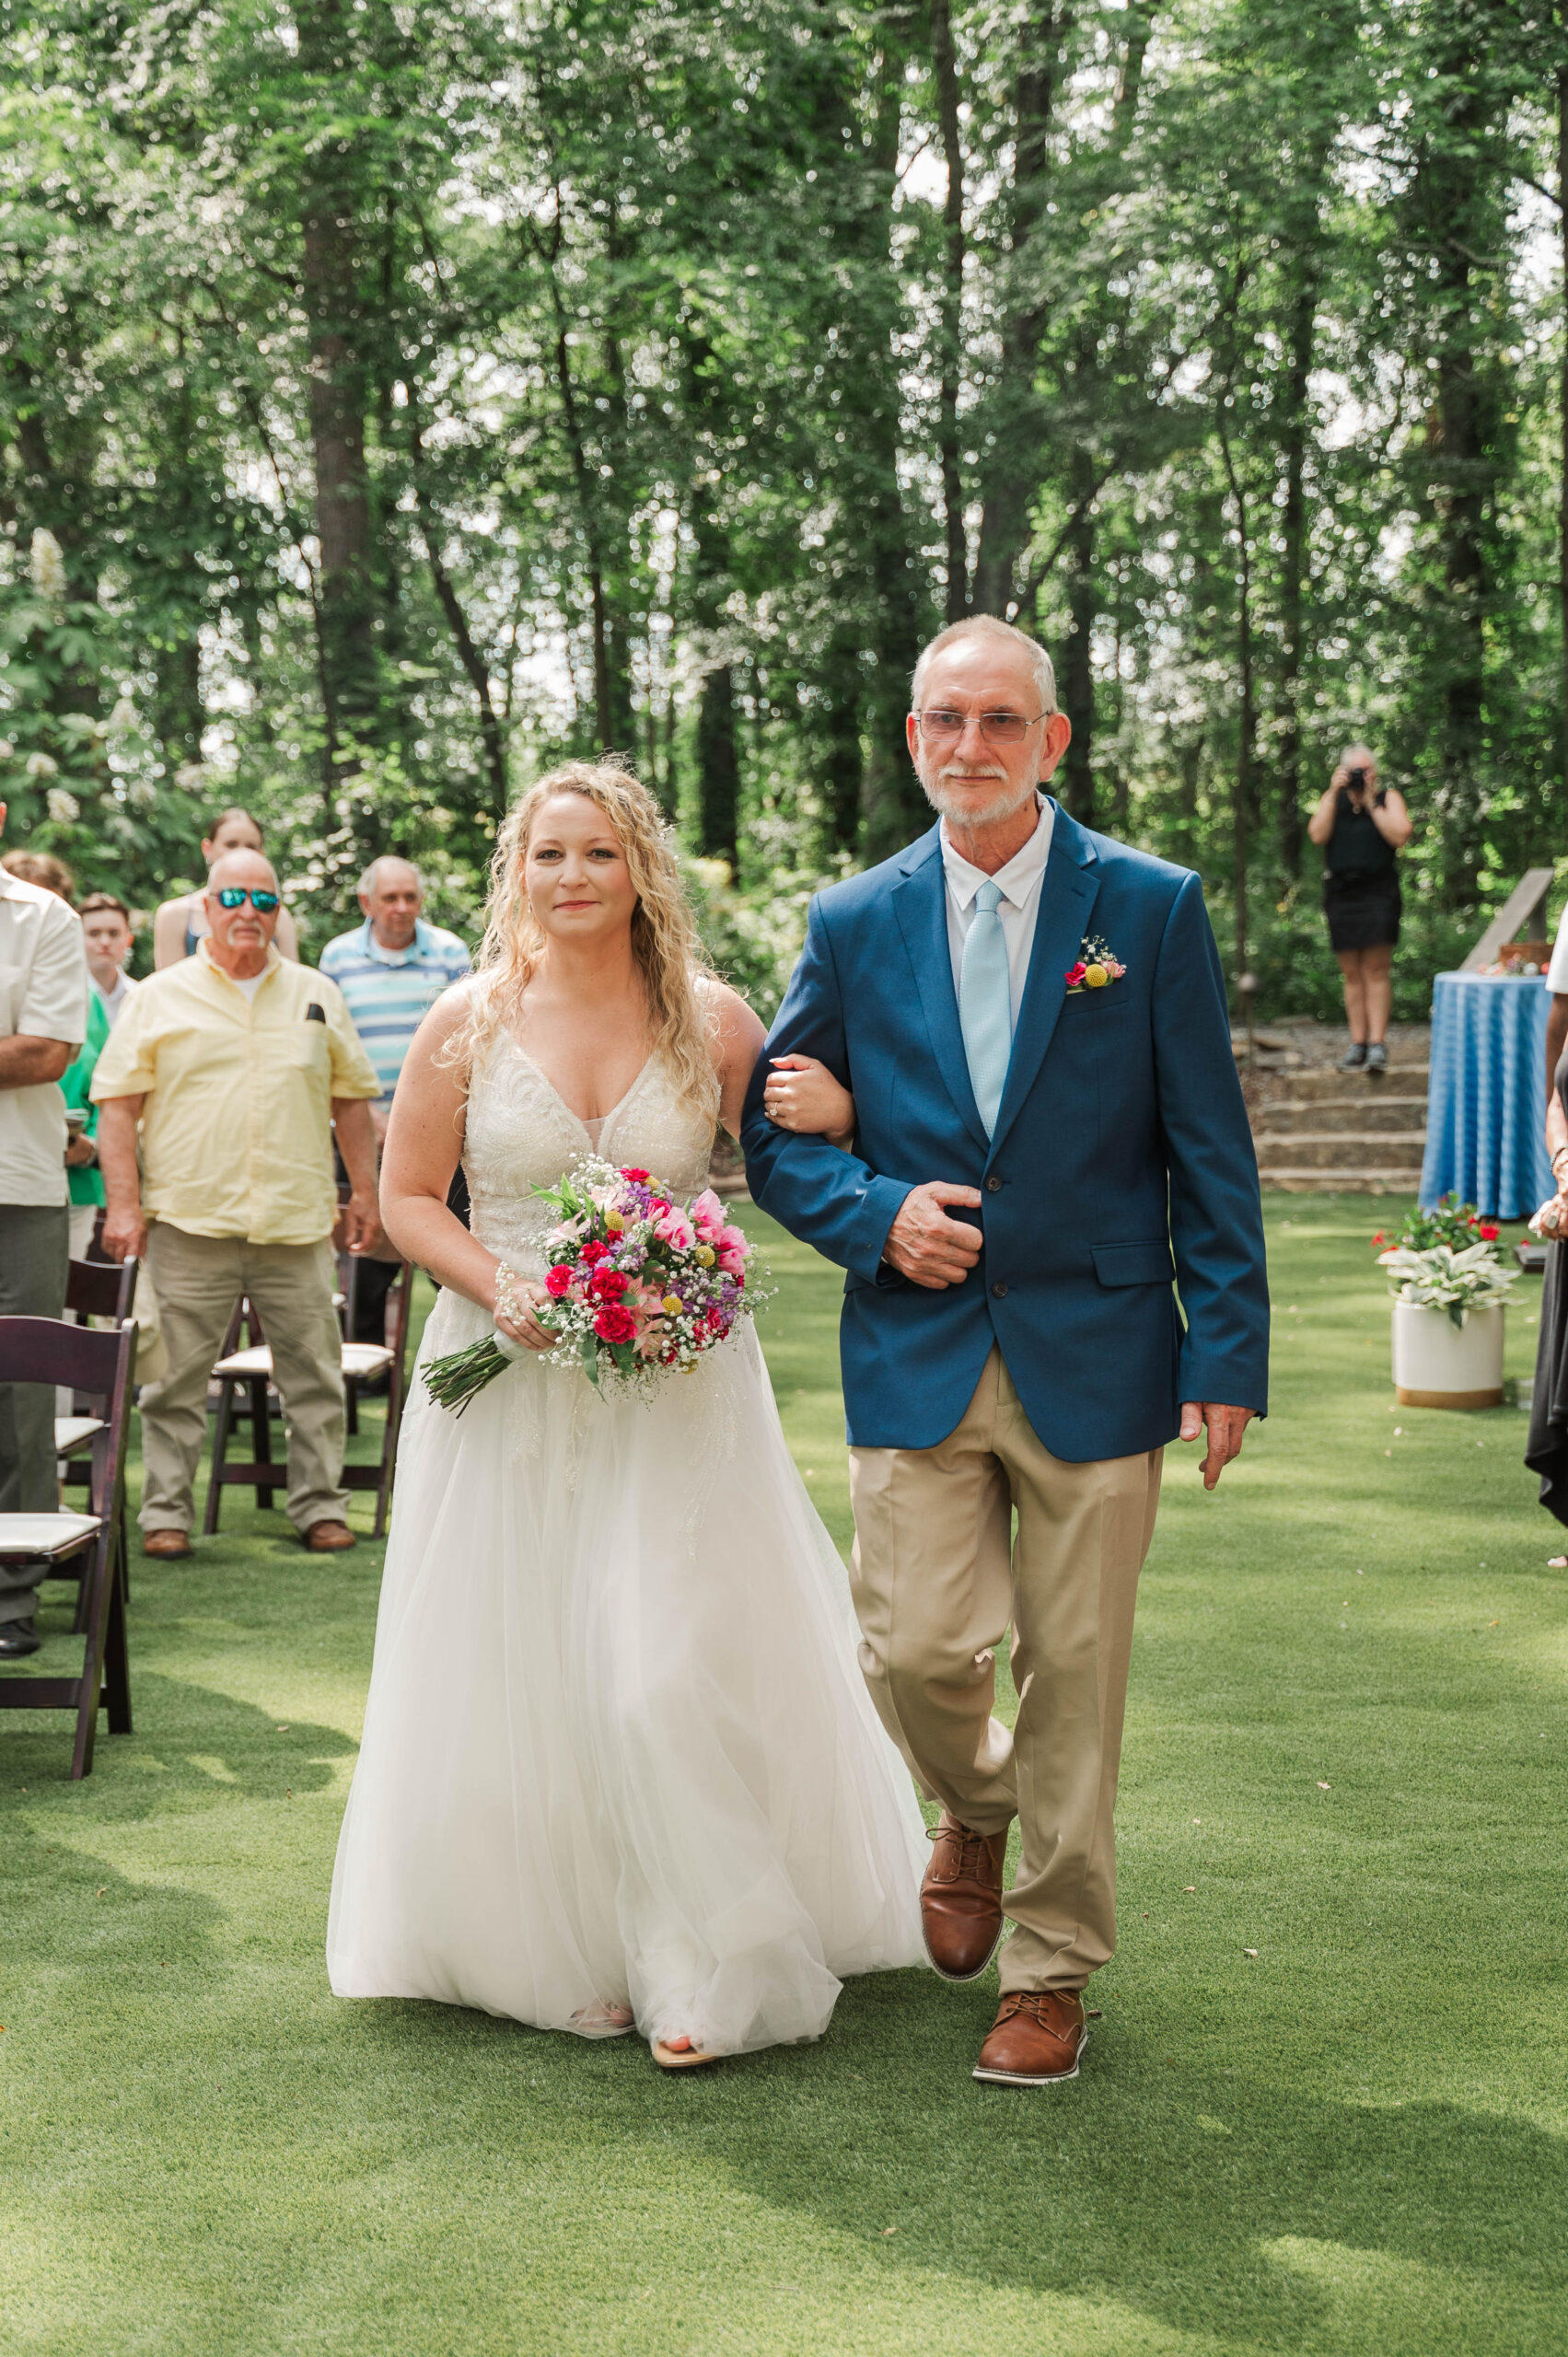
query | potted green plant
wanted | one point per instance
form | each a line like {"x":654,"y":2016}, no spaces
{"x":1449,"y":1289}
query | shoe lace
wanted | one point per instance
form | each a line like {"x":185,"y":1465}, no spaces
{"x":972,"y":1856}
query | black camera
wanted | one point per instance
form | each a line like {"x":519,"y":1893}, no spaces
{"x":1356,"y":780}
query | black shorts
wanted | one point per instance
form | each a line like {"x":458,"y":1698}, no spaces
{"x":1362,"y":910}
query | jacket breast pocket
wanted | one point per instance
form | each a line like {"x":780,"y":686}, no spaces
{"x":1134,"y":1264}
{"x":1094,"y":1006}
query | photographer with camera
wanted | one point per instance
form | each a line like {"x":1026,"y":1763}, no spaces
{"x":1362,"y":827}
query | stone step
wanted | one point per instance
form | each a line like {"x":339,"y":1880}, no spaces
{"x":1339,"y":1182}
{"x":1342,"y":1150}
{"x":1320,"y":1086}
{"x":1380,"y":1113}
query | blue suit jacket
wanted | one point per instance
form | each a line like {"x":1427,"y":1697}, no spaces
{"x":1122,"y":1141}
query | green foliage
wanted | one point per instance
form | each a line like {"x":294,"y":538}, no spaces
{"x":413,"y":395}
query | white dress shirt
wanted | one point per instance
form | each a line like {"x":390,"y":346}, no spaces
{"x":43,"y":996}
{"x":1017,"y":909}
{"x":116,"y":1001}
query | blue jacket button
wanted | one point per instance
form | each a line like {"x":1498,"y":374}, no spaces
{"x":999,"y":1288}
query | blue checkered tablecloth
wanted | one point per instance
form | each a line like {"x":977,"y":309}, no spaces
{"x":1486,"y":1110}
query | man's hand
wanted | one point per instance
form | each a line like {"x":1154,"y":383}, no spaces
{"x":1224,"y":1427}
{"x":927,"y":1247}
{"x":125,"y":1232}
{"x":359,"y":1223}
{"x":80,"y":1153}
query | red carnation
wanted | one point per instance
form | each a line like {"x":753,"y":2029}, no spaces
{"x":1489,"y":1232}
{"x":594,"y":1250}
{"x":638,"y":1177}
{"x":614,"y":1323}
{"x":1075,"y":974}
{"x":609,"y":1283}
{"x":559,"y":1280}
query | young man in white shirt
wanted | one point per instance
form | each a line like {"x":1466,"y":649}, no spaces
{"x":106,"y":929}
{"x":43,"y":1020}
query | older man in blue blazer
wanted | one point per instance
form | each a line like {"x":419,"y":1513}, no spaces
{"x":1048,"y":1136}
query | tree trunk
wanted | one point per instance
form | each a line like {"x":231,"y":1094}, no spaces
{"x":1293,"y":569}
{"x":718,"y":768}
{"x":1078,"y":655}
{"x":1011,"y":470}
{"x":895,"y":808}
{"x":946,"y":77}
{"x":338,"y":396}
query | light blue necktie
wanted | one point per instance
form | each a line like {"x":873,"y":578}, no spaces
{"x":985,"y":1005}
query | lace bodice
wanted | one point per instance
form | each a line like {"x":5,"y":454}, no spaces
{"x":522,"y":1134}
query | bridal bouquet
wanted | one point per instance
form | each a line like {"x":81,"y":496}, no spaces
{"x":639,"y":1286}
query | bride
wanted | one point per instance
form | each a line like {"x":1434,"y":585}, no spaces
{"x":619,"y":1767}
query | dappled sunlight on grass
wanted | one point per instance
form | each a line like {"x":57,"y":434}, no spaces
{"x":1346,"y":1749}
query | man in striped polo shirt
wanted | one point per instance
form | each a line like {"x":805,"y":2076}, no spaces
{"x":391,"y":970}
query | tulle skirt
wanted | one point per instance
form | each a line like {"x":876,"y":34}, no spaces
{"x":617,"y":1747}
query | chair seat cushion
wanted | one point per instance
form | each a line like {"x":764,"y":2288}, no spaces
{"x":363,"y":1359}
{"x":73,"y":1432}
{"x":23,"y":1535}
{"x":254,"y":1362}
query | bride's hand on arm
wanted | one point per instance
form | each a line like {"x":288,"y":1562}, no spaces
{"x":802,"y":1095}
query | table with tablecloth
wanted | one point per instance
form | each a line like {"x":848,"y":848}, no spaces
{"x":1486,"y":1108}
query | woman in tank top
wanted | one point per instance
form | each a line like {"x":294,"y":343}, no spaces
{"x":179,"y":924}
{"x":1362,"y":826}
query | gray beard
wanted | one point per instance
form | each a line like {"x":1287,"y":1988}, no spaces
{"x":965,"y":815}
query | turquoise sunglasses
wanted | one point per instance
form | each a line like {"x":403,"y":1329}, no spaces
{"x":234,"y":895}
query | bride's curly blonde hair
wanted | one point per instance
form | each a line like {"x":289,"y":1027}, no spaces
{"x":665,"y":942}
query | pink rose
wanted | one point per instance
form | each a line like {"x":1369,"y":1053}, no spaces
{"x":674,"y":1229}
{"x":734,"y":1251}
{"x":707,"y":1216}
{"x":558,"y":1280}
{"x":1075,"y":974}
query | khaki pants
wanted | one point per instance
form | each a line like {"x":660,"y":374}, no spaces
{"x":198,"y":1278}
{"x":937,"y":1578}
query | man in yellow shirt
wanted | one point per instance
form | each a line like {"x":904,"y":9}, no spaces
{"x":237,"y":1064}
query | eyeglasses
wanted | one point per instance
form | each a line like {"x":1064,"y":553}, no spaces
{"x":944,"y":728}
{"x":234,"y":895}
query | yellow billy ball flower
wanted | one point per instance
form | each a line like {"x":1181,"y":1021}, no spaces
{"x":1096,"y":977}
{"x":705,"y":1256}
{"x":672,"y":1305}
{"x":617,"y":1225}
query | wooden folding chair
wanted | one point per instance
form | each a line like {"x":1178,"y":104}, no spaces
{"x":250,"y":1368}
{"x":43,"y":1350}
{"x":93,"y":1289}
{"x":364,"y":1360}
{"x":243,"y":1366}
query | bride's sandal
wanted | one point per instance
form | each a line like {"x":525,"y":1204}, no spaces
{"x":686,"y":2057}
{"x":602,"y":2020}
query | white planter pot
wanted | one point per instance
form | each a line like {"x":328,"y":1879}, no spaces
{"x":1439,"y":1364}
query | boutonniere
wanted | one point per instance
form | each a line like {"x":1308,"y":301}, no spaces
{"x":1095,"y":966}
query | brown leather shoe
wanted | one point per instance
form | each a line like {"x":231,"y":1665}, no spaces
{"x":329,"y":1538}
{"x":168,"y":1545}
{"x":960,"y":1899}
{"x":1035,"y":2040}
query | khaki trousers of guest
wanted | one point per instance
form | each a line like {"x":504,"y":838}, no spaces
{"x":938,"y":1576}
{"x":198,"y":1278}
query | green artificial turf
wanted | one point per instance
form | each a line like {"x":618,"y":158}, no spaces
{"x":1345,"y":1751}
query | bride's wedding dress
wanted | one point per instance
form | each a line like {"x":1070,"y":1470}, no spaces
{"x":617,"y":1747}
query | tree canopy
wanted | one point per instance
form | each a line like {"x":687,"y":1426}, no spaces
{"x":395,"y":398}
